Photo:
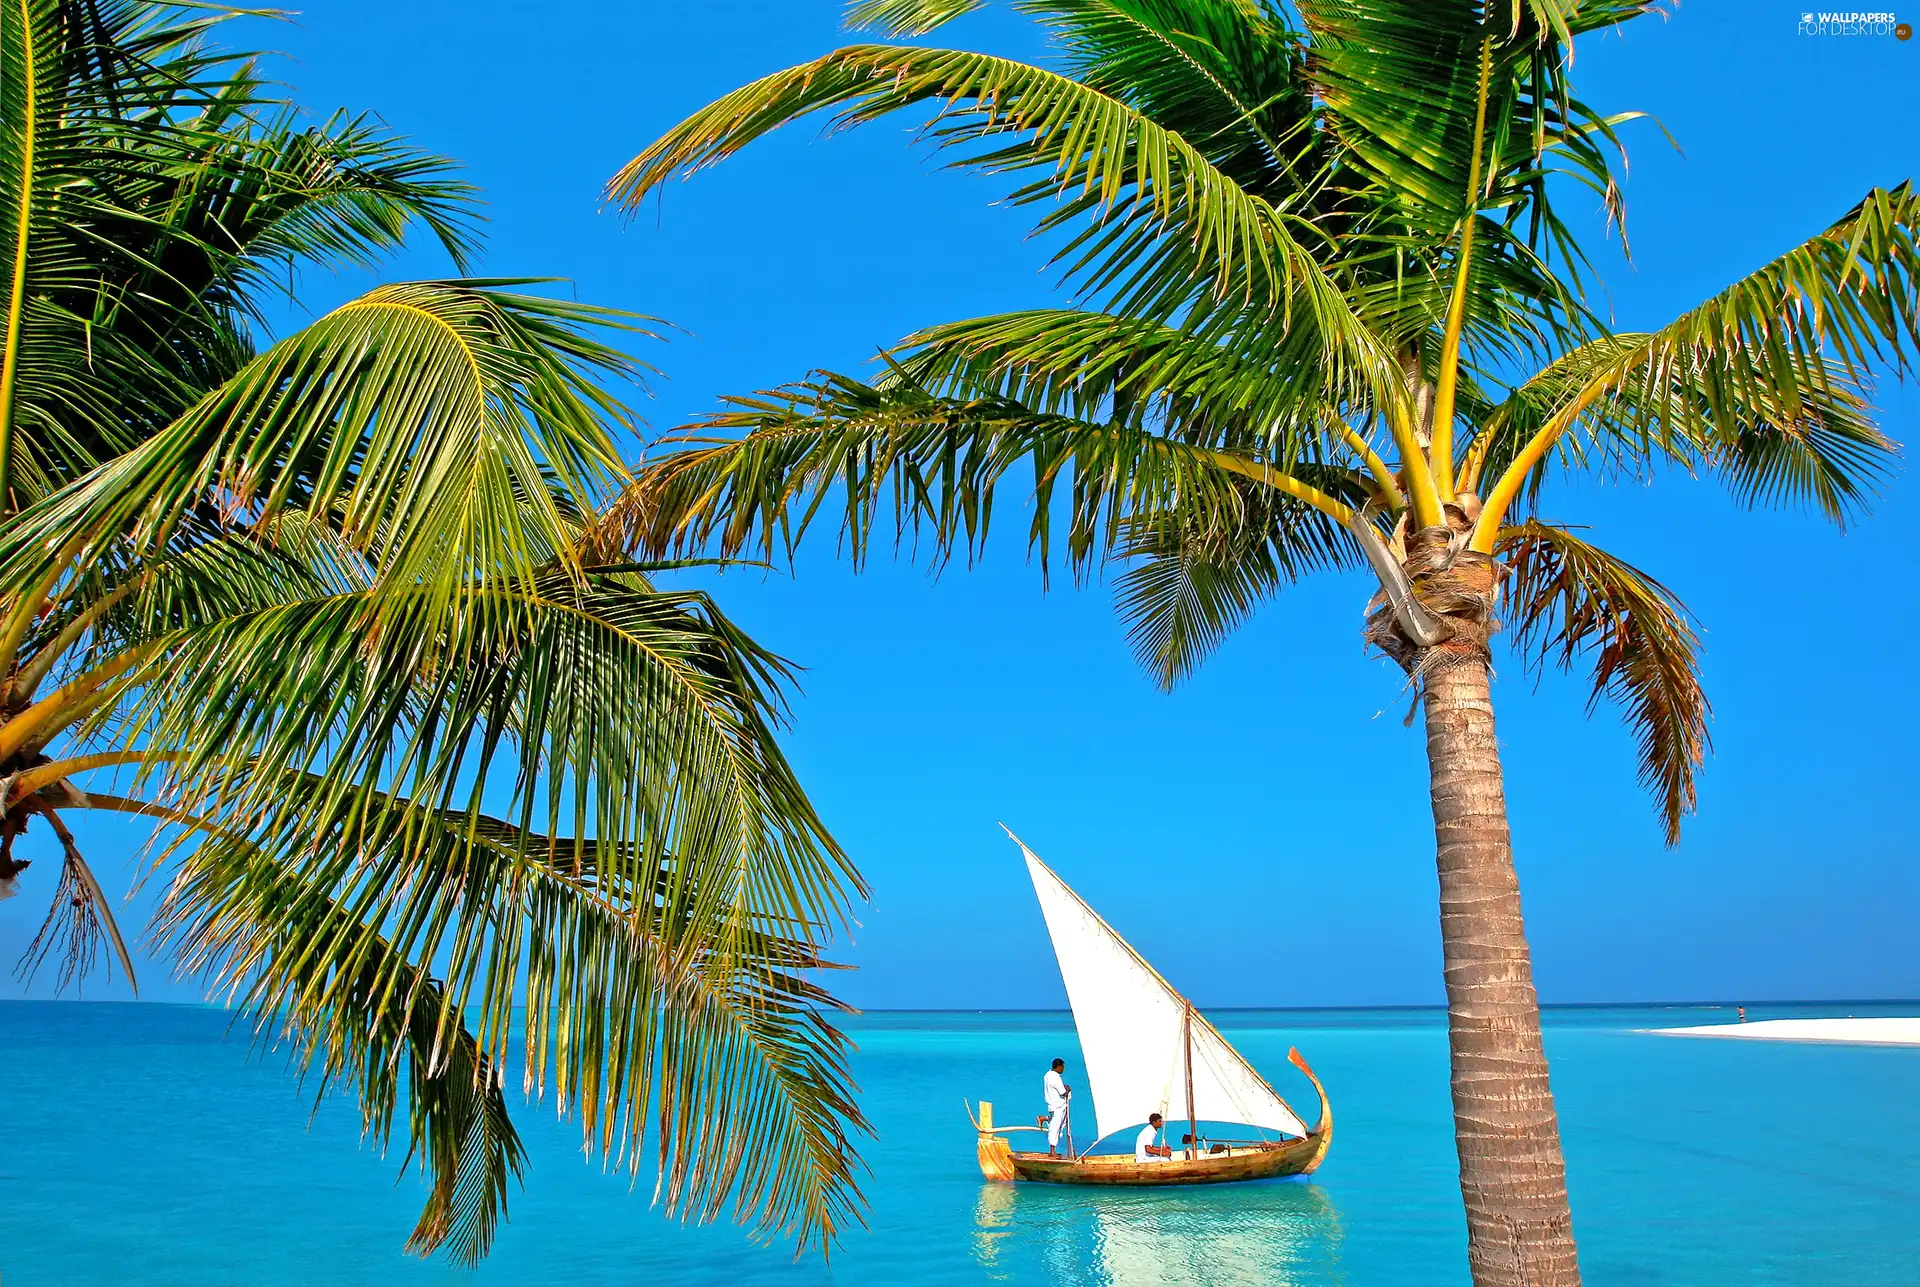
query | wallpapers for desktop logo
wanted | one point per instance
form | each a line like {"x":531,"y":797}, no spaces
{"x":1854,"y":24}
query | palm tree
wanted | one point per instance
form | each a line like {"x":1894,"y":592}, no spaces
{"x":422,"y":750}
{"x":1328,"y":318}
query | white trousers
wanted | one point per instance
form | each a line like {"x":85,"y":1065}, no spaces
{"x":1055,"y":1124}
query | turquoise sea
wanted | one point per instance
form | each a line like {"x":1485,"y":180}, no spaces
{"x":143,"y":1145}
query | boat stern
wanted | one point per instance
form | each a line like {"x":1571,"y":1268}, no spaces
{"x":994,"y":1153}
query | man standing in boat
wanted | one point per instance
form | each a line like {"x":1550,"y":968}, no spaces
{"x":1144,"y":1149}
{"x":1058,"y":1093}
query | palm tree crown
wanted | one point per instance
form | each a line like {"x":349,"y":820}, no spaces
{"x":1330,"y":302}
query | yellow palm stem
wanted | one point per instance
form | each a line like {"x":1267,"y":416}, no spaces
{"x":1447,"y":379}
{"x":1286,"y":484}
{"x":1384,"y":483}
{"x":146,"y":809}
{"x":1487,"y":529}
{"x":1422,"y":495}
{"x":23,"y":610}
{"x":45,"y":775}
{"x":1470,"y":468}
{"x":35,"y":669}
{"x":66,"y":704}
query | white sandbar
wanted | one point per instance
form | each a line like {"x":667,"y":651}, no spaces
{"x":1850,"y":1032}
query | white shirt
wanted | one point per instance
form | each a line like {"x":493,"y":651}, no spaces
{"x":1056,"y":1088}
{"x":1141,"y":1142}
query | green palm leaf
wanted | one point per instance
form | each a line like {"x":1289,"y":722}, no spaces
{"x":896,"y":18}
{"x":663,"y":964}
{"x":901,"y":458}
{"x":1221,"y":393}
{"x":359,"y":1013}
{"x":171,"y":192}
{"x":434,"y":416}
{"x":1763,"y":382}
{"x":1133,"y":169}
{"x":1399,"y":81}
{"x":1225,"y":76}
{"x":1187,"y":585}
{"x":615,"y":987}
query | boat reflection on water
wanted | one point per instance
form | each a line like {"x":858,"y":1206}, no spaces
{"x":1283,"y":1232}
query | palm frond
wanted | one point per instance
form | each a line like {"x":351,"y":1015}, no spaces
{"x":88,"y":94}
{"x":455,"y":427}
{"x":1250,"y":391}
{"x":79,"y":918}
{"x":664,"y":951}
{"x":1136,"y":172}
{"x":1189,"y":584}
{"x":1399,"y":85}
{"x":32,"y":109}
{"x":649,"y":1010}
{"x":1399,"y":80}
{"x":903,"y":460}
{"x":357,"y":1011}
{"x":227,"y":204}
{"x":1227,"y":77}
{"x":170,"y":192}
{"x":342,"y":191}
{"x":1763,"y":382}
{"x":1567,"y":600}
{"x":896,"y":18}
{"x":1823,"y":449}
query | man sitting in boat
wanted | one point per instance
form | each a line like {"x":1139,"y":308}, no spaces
{"x":1144,"y":1149}
{"x":1058,"y":1093}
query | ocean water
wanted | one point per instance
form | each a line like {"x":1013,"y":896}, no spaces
{"x":144,"y":1145}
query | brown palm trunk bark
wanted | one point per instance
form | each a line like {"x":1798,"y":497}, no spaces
{"x":1512,"y":1174}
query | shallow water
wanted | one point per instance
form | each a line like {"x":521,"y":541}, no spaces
{"x":142,"y":1145}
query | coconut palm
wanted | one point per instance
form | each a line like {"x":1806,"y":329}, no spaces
{"x":434,"y":774}
{"x":1328,"y":318}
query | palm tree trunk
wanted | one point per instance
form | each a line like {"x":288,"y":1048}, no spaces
{"x":1512,"y":1174}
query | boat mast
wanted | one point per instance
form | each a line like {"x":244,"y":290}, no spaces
{"x":1193,"y":1129}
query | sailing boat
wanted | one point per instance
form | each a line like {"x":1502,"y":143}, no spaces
{"x":1147,"y":1050}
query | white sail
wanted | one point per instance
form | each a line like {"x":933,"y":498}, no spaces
{"x":1131,"y":1030}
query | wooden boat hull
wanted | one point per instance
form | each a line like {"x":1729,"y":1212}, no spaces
{"x":998,"y":1161}
{"x":1247,"y":1162}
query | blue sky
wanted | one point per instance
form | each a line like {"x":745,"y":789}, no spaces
{"x":1262,"y":834}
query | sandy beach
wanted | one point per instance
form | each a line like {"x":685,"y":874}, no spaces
{"x":1849,"y":1032}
